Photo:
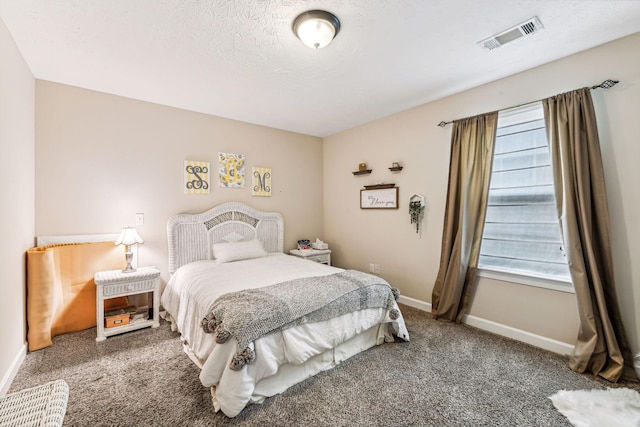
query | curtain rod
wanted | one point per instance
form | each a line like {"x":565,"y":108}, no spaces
{"x":604,"y":85}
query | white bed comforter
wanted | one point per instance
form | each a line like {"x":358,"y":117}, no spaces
{"x":194,"y":287}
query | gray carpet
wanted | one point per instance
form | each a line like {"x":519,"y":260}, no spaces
{"x":448,"y":375}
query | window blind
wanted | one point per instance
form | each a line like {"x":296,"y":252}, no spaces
{"x":521,"y":233}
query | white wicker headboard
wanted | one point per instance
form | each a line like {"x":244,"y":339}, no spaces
{"x":191,"y":236}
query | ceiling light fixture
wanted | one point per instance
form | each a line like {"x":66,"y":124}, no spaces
{"x":316,"y":28}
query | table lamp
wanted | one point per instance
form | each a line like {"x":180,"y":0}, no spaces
{"x":129,"y":236}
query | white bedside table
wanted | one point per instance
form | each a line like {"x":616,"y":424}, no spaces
{"x":115,"y":283}
{"x":323,"y":256}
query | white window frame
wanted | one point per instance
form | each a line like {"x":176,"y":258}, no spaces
{"x":539,"y":280}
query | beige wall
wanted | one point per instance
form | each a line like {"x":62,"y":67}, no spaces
{"x":17,"y":109}
{"x":100,"y":159}
{"x":410,"y":261}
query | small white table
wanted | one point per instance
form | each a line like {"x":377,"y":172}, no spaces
{"x":115,"y":283}
{"x":323,"y":256}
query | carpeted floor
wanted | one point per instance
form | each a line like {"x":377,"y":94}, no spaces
{"x":448,"y":375}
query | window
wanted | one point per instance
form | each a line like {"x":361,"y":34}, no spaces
{"x":522,"y":236}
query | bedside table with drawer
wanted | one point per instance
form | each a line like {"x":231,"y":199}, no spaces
{"x":115,"y":283}
{"x":323,"y":256}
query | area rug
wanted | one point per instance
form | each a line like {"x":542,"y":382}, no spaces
{"x":619,"y":407}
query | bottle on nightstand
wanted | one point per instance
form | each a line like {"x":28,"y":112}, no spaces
{"x":304,"y":245}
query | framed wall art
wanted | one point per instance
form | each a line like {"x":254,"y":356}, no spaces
{"x":379,"y":198}
{"x":196,"y":177}
{"x":261,"y":181}
{"x":231,"y":170}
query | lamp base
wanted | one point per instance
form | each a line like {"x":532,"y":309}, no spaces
{"x":128,"y":256}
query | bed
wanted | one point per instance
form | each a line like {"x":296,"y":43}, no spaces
{"x":219,"y":260}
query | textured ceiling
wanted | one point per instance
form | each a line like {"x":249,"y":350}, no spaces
{"x":239,"y":59}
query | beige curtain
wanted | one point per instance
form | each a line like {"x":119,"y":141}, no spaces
{"x":472,"y":144}
{"x":581,"y":200}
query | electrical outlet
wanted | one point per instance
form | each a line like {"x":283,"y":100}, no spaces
{"x":139,"y":219}
{"x":376,"y":268}
{"x":372,"y":268}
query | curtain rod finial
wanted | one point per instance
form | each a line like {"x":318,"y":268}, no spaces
{"x":607,"y":84}
{"x":443,"y":124}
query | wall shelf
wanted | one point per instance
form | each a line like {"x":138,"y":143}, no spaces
{"x":396,"y":169}
{"x":378,"y":186}
{"x":364,"y":172}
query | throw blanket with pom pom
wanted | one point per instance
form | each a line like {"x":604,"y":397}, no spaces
{"x":250,"y":314}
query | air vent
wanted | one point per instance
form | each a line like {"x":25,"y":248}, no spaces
{"x":525,"y":29}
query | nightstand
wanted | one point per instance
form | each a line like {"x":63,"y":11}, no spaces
{"x":323,"y":256}
{"x":115,"y":283}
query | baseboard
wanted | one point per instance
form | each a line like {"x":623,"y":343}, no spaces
{"x":13,"y":369}
{"x":519,"y":335}
{"x":500,"y":329}
{"x":415,"y":303}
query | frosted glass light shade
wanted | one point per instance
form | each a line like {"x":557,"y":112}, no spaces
{"x":128,"y":236}
{"x":316,"y":28}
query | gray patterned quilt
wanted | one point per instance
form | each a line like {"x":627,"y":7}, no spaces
{"x":250,"y":314}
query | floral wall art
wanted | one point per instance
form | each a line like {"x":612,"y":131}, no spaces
{"x":231,"y":170}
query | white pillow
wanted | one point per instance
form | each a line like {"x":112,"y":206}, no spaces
{"x":227,"y":252}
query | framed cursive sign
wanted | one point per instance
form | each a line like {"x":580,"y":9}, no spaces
{"x":379,"y":198}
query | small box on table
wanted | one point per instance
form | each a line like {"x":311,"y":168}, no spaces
{"x":117,"y":320}
{"x":118,"y":316}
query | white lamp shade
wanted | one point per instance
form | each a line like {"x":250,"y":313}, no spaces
{"x":316,"y":28}
{"x":128,"y":236}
